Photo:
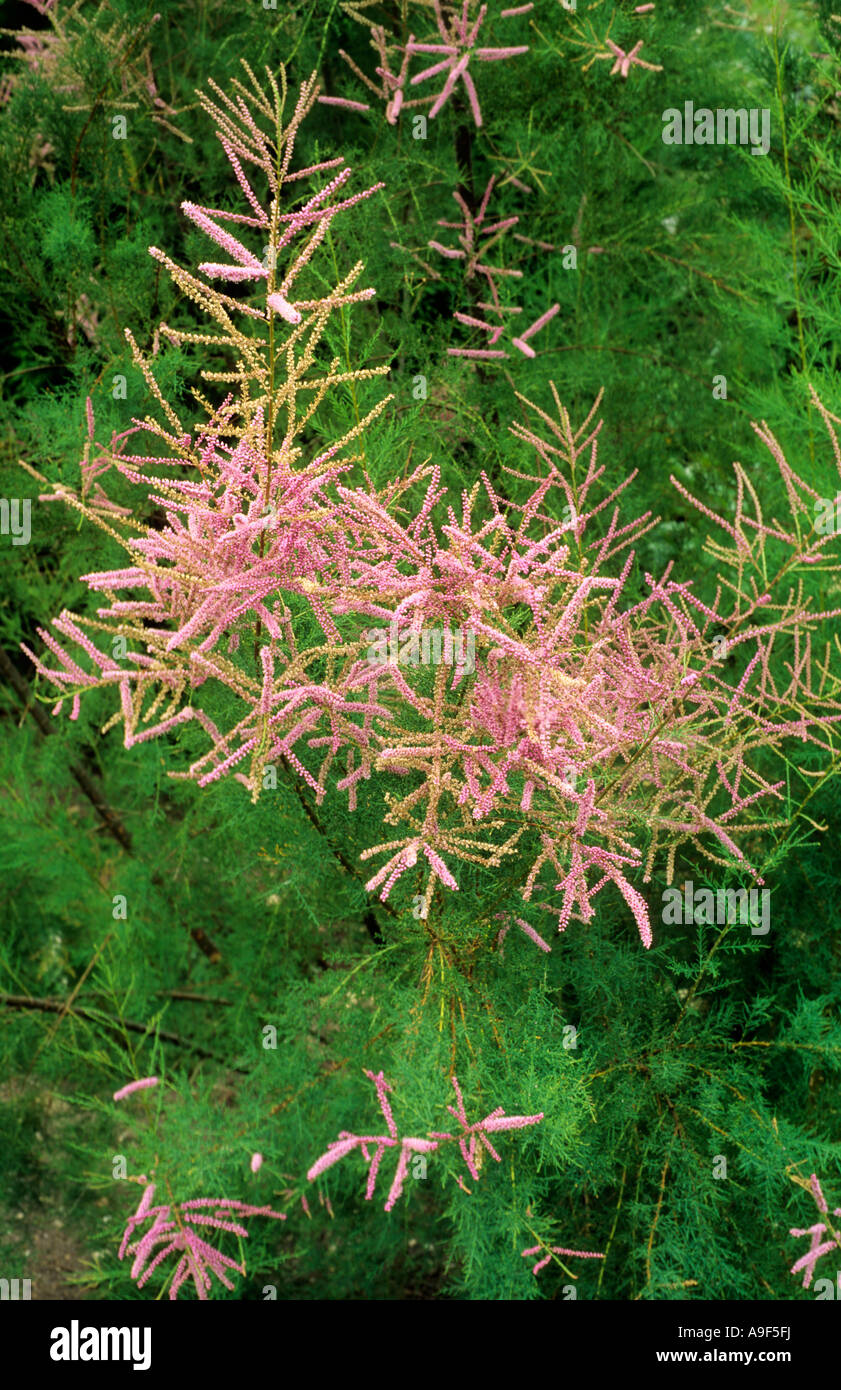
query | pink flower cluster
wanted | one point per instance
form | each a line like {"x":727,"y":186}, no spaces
{"x":171,"y":1231}
{"x":599,"y":713}
{"x":818,"y":1246}
{"x":625,"y":61}
{"x":602,"y":47}
{"x":476,"y":237}
{"x":454,"y":51}
{"x":469,"y":1139}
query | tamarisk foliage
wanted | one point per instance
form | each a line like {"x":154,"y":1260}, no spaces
{"x":357,"y":682}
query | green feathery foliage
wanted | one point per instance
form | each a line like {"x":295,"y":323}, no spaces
{"x":230,"y":947}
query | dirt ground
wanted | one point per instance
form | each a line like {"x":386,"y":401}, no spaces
{"x":48,"y":1254}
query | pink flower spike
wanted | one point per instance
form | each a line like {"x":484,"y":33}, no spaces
{"x":133,"y":1086}
{"x":336,"y":1151}
{"x":817,"y":1193}
{"x":499,"y":1122}
{"x":818,"y":1247}
{"x":345,"y":102}
{"x":440,"y":868}
{"x":256,"y":1162}
{"x":480,"y":354}
{"x":284,"y":308}
{"x":382,"y":1087}
{"x":580,"y":1254}
{"x":539,"y":323}
{"x":559,"y":1250}
{"x":408,"y":1147}
{"x":490,"y":55}
{"x":521,"y":341}
{"x":449,"y":251}
{"x":533,"y":935}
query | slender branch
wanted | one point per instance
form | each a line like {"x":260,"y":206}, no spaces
{"x":60,"y":1006}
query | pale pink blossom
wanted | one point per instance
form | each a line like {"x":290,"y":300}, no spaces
{"x":570,"y":666}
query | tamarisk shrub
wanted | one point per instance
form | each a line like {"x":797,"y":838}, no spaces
{"x":591,"y":723}
{"x":601,"y":728}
